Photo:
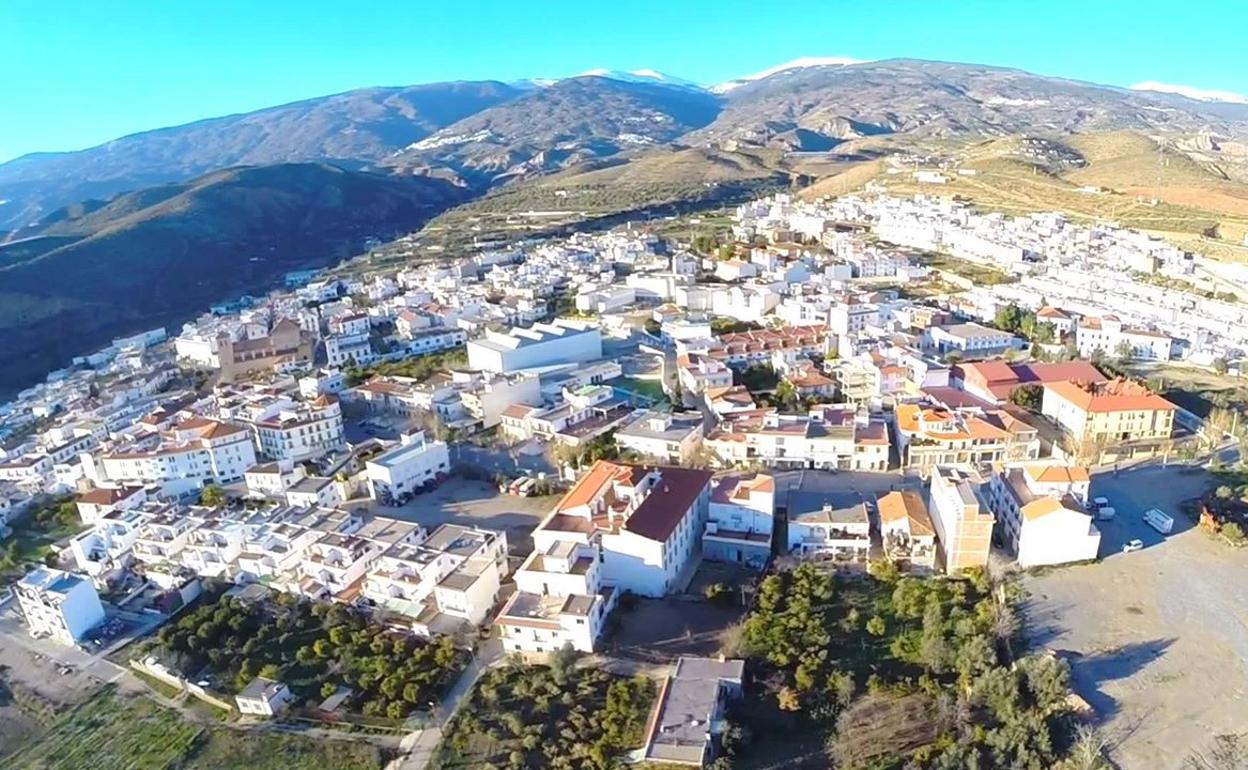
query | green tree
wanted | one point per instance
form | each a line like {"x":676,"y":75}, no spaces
{"x":1233,"y":532}
{"x":212,"y":496}
{"x":787,"y":699}
{"x":786,"y":394}
{"x":876,"y":626}
{"x":1028,"y":396}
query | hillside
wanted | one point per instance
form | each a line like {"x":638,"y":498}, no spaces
{"x":657,"y":182}
{"x":817,"y":107}
{"x":164,"y":255}
{"x":354,"y":129}
{"x":569,"y":122}
{"x":1110,"y":176}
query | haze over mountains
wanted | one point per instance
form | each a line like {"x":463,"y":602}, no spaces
{"x":73,"y":261}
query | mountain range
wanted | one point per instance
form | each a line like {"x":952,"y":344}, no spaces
{"x":150,"y":228}
{"x":486,"y":133}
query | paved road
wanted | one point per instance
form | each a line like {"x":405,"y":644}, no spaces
{"x":422,"y":744}
{"x":1159,"y":637}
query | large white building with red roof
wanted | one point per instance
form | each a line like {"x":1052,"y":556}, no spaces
{"x":645,"y":522}
{"x":1095,"y":416}
{"x":620,"y":528}
{"x":193,"y":453}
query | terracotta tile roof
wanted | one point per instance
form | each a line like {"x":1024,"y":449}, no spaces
{"x":671,"y":497}
{"x":809,"y":378}
{"x":990,"y":371}
{"x":592,"y":485}
{"x":1040,"y":507}
{"x":871,"y":433}
{"x":518,"y":411}
{"x":1078,"y":371}
{"x":895,"y":506}
{"x":732,"y":488}
{"x":734,"y":394}
{"x":1057,"y":474}
{"x":1112,"y":396}
{"x":106,"y":495}
{"x":912,"y":419}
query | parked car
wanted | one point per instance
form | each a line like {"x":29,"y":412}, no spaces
{"x":1133,"y":545}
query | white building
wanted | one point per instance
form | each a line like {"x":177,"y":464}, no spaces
{"x":561,"y":342}
{"x":96,"y":502}
{"x":301,"y":431}
{"x":970,"y":338}
{"x":264,"y":698}
{"x":833,"y":525}
{"x":58,"y":605}
{"x":740,"y":520}
{"x":669,"y":438}
{"x":559,"y":600}
{"x":1040,"y":509}
{"x":1108,"y":334}
{"x":195,"y":452}
{"x":645,"y":522}
{"x":396,"y":472}
{"x":314,"y":492}
{"x":455,"y":572}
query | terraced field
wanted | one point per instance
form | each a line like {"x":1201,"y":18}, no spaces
{"x":113,"y":732}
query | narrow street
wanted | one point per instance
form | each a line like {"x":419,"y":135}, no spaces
{"x":421,"y":745}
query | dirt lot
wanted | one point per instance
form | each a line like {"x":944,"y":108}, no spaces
{"x":41,"y":675}
{"x":477,"y":503}
{"x":1159,"y":637}
{"x":661,"y":630}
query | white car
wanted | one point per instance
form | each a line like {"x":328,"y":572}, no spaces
{"x":1133,"y":545}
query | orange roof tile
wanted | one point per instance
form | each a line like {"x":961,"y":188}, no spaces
{"x":1114,"y":396}
{"x":896,"y":505}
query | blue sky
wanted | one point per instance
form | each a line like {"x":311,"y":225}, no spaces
{"x":80,"y":72}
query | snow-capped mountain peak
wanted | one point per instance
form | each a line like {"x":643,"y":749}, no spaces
{"x":639,"y":76}
{"x":1199,"y":94}
{"x":802,"y":63}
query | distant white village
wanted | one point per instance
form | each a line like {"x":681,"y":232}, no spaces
{"x":723,"y":393}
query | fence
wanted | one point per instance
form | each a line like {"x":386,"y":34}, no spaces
{"x":162,"y":674}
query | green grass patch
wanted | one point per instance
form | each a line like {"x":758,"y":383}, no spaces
{"x":109,"y":732}
{"x":113,"y":732}
{"x":34,"y":534}
{"x":652,"y":389}
{"x":226,"y":749}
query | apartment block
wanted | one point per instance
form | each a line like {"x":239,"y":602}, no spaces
{"x":645,"y":522}
{"x":962,"y":515}
{"x":741,"y":520}
{"x":58,"y":605}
